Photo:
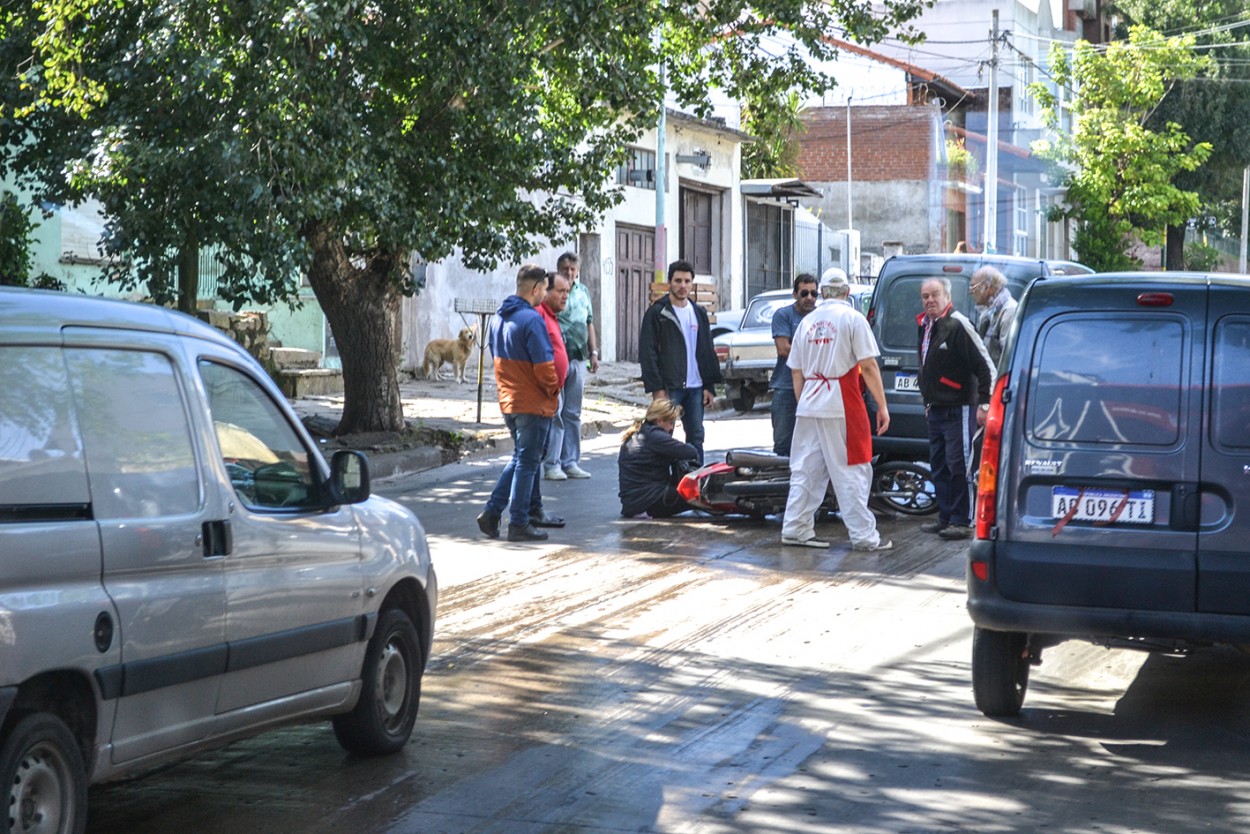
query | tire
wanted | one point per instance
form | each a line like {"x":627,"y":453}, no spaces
{"x":382,"y":719}
{"x":904,"y":487}
{"x":42,"y":766}
{"x":1000,"y":671}
{"x":744,"y":402}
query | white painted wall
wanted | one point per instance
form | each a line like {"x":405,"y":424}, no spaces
{"x":431,"y":315}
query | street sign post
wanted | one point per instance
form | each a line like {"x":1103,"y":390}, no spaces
{"x":483,"y":308}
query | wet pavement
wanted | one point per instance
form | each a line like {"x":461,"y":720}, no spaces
{"x":693,"y":675}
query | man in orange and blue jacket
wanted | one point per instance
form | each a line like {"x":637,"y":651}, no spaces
{"x":529,"y":393}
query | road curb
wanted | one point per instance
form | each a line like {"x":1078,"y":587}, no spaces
{"x":386,"y":466}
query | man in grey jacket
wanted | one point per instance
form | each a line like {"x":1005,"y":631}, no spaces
{"x":996,"y":306}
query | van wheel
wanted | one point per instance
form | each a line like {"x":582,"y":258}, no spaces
{"x":1000,"y":671}
{"x":743,"y":402}
{"x":382,"y":720}
{"x":42,"y":766}
{"x":904,"y":487}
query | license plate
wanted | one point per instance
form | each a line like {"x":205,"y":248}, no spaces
{"x":906,"y":382}
{"x":1109,"y":506}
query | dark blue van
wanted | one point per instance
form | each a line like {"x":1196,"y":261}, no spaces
{"x":1116,"y":454}
{"x":895,"y":305}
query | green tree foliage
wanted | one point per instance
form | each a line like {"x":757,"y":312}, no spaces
{"x":773,"y":124}
{"x":335,"y":138}
{"x":1121,"y":181}
{"x":1213,"y":107}
{"x":16,"y":238}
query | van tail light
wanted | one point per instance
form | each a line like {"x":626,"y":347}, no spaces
{"x":991,"y":445}
{"x":722,"y":353}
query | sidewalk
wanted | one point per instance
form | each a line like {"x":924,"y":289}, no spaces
{"x":442,"y":417}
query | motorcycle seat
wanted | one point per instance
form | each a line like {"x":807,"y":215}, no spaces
{"x":757,"y":458}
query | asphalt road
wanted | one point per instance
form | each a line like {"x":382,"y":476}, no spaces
{"x":693,"y":675}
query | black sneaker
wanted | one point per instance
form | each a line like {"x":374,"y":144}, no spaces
{"x":546,"y":519}
{"x":528,"y":533}
{"x":934,"y":526}
{"x":488,"y":523}
{"x":956,"y":531}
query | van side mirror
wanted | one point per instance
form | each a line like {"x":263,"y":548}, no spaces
{"x":349,"y":478}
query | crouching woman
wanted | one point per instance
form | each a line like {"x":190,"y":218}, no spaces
{"x":650,"y":463}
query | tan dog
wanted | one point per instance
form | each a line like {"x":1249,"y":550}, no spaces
{"x":455,"y":351}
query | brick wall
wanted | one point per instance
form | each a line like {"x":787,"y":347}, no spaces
{"x":887,"y":143}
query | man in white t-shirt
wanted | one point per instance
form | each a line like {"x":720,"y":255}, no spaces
{"x":831,"y":351}
{"x":675,"y":353}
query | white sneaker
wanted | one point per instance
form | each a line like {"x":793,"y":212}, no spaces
{"x":554,"y":473}
{"x":885,"y":545}
{"x":812,"y":542}
{"x":575,"y":471}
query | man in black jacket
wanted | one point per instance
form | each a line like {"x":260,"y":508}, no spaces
{"x":955,"y":377}
{"x":676,"y":355}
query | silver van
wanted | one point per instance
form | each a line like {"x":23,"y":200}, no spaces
{"x":179,"y":566}
{"x":1115,"y":463}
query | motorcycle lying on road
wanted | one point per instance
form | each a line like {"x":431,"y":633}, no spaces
{"x":755,"y":483}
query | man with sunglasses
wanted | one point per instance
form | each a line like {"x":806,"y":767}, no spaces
{"x":785,"y":323}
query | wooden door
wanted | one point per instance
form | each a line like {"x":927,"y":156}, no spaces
{"x":696,"y":230}
{"x":635,"y":269}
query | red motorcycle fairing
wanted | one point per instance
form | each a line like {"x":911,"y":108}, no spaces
{"x":692,"y":488}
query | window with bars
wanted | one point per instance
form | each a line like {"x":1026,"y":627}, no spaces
{"x":638,"y":169}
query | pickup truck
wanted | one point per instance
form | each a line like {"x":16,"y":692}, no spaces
{"x":747,"y":357}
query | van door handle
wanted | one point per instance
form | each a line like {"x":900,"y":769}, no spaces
{"x":218,"y":538}
{"x":1186,"y":507}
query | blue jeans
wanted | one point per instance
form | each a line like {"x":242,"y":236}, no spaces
{"x":691,"y":402}
{"x":783,"y":407}
{"x":517,"y":487}
{"x":564,"y":447}
{"x":950,"y":456}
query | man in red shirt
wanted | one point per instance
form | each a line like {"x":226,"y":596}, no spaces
{"x":553,"y":302}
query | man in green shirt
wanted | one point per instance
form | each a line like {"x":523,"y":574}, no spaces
{"x":577,"y":325}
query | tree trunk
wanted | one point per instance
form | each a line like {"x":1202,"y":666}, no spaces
{"x":361,"y":304}
{"x":189,"y":275}
{"x":1175,"y":248}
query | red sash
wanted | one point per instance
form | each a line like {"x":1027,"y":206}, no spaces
{"x":858,"y":431}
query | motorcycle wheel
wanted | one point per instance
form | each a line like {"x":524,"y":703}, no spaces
{"x":903,"y":487}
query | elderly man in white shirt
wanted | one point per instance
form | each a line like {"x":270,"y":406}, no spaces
{"x":832,"y":349}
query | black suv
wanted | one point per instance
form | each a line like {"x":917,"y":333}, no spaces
{"x":895,"y":305}
{"x":1116,"y":458}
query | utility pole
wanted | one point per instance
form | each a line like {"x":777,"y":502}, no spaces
{"x":1245,"y":217}
{"x":850,"y":220}
{"x":991,"y":147}
{"x":661,"y":247}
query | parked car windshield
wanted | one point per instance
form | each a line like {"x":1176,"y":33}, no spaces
{"x":761,"y":310}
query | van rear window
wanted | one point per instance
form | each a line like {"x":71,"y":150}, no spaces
{"x":42,"y":471}
{"x":1109,"y":380}
{"x":898,"y":327}
{"x":1230,"y":390}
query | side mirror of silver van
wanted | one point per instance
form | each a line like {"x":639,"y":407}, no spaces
{"x":349,"y":478}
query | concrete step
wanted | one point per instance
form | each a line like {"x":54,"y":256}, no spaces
{"x":288,"y":358}
{"x":309,"y":382}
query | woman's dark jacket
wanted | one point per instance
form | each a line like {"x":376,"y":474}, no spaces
{"x":645,"y":463}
